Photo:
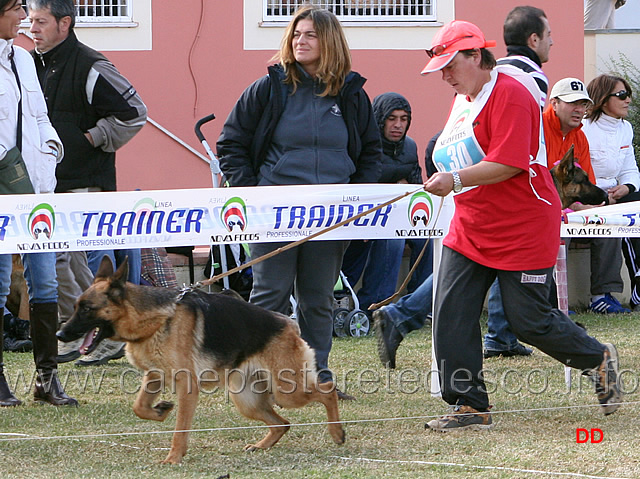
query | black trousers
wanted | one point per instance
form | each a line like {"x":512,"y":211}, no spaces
{"x":461,"y":290}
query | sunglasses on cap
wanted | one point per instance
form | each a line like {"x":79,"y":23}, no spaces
{"x":622,"y":94}
{"x":439,"y":49}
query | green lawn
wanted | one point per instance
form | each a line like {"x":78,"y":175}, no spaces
{"x":535,"y":423}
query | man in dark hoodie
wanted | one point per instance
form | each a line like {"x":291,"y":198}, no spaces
{"x":380,"y":259}
{"x":528,"y":39}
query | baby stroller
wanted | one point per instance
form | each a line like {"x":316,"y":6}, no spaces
{"x":348,"y":318}
{"x":223,"y":258}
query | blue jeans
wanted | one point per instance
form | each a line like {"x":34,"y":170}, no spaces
{"x":5,"y":278}
{"x":424,"y":268}
{"x":410,"y":312}
{"x":355,"y":259}
{"x":499,"y":337}
{"x":94,"y":258}
{"x":380,"y":275}
{"x":40,"y":274}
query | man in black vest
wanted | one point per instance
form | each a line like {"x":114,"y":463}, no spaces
{"x":527,"y":36}
{"x":95,"y":110}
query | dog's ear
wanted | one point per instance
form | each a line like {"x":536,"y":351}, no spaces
{"x":117,"y":285}
{"x":567,"y":164}
{"x":121,"y":274}
{"x":106,"y":268}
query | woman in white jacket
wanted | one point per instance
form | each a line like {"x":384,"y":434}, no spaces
{"x":41,"y":150}
{"x":612,"y":157}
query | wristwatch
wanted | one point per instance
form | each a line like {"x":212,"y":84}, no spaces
{"x":457,"y":182}
{"x":54,"y":152}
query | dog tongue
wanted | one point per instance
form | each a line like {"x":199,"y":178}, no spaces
{"x":88,"y":339}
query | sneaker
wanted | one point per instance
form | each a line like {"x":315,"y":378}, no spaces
{"x":462,"y":417}
{"x":105,"y":352}
{"x":608,"y":305}
{"x":68,"y":351}
{"x":389,"y":338}
{"x":607,"y":381}
{"x":519,"y":350}
{"x":19,"y":328}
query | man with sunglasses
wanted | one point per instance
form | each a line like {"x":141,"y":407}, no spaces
{"x":527,"y":36}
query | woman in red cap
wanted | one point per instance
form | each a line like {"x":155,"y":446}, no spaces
{"x":506,"y":225}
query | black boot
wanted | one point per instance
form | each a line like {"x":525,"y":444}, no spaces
{"x":48,"y":389}
{"x":6,"y":396}
{"x":44,"y":323}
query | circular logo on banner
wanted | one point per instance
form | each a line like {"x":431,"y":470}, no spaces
{"x":42,"y":220}
{"x":143,"y":207}
{"x":234,"y":213}
{"x":420,"y":208}
{"x":594,"y":220}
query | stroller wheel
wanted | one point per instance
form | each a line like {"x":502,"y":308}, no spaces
{"x":357,"y":324}
{"x":339,"y":318}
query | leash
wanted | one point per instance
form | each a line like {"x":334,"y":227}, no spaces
{"x":288,"y":246}
{"x":395,"y":295}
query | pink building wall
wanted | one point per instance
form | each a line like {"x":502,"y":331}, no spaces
{"x":222,"y":70}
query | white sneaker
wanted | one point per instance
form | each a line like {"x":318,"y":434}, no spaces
{"x":68,"y":351}
{"x":106,"y":351}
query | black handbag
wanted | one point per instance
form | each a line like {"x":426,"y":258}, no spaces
{"x":14,"y":178}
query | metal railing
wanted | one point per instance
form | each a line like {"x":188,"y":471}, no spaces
{"x":101,"y":11}
{"x":356,"y":10}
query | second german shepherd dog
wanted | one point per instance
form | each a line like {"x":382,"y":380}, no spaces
{"x":573,"y":184}
{"x":195,"y":338}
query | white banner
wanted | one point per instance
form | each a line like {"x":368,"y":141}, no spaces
{"x":143,"y":219}
{"x":615,"y":221}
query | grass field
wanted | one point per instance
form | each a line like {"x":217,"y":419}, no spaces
{"x":536,"y":418}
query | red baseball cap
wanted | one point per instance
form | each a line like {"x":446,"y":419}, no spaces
{"x":454,"y":36}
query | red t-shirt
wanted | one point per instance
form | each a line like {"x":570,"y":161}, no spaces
{"x":513,"y":225}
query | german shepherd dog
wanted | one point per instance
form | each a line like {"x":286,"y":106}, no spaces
{"x":573,"y":184}
{"x":196,"y":338}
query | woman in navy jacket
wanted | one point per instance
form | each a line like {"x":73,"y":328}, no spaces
{"x":307,"y":122}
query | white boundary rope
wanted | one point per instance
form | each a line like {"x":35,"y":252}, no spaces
{"x":26,"y":437}
{"x":472,"y":466}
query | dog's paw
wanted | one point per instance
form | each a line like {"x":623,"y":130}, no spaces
{"x":251,"y":448}
{"x":163,"y":408}
{"x":338,"y":435}
{"x":172,"y":459}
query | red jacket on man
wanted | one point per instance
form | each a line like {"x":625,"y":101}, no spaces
{"x":557,"y":146}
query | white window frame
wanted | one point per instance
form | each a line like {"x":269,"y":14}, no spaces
{"x":96,"y":20}
{"x":354,"y":12}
